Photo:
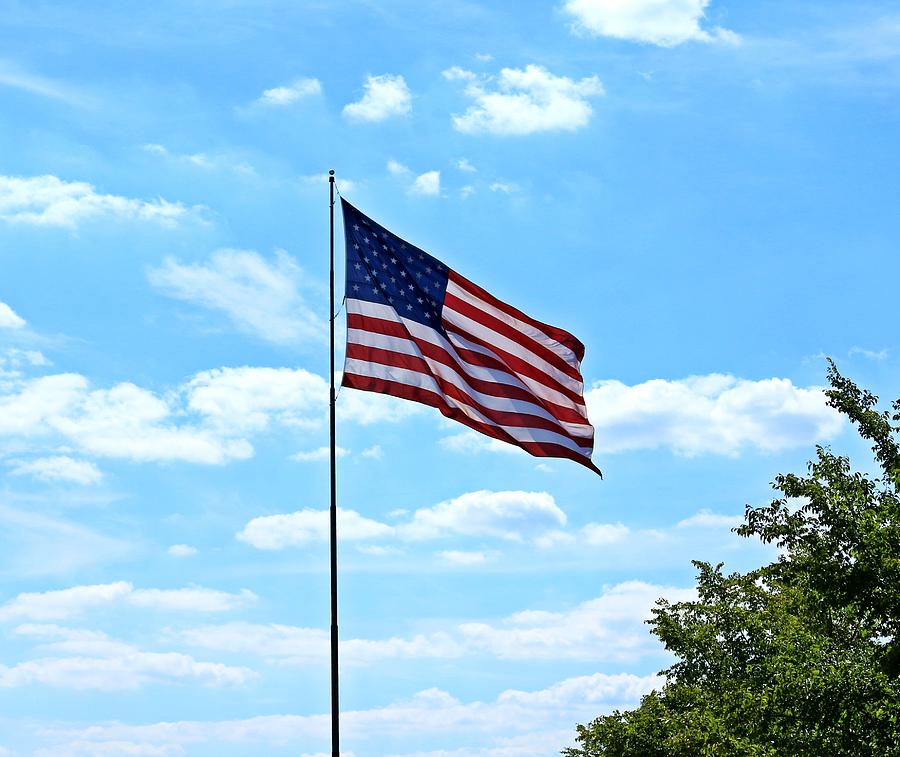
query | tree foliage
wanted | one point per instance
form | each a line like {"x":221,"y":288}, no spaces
{"x":800,"y":657}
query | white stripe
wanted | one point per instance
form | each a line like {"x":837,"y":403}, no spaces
{"x":523,"y":327}
{"x":428,"y":334}
{"x":539,"y":389}
{"x":364,"y":368}
{"x":470,"y":326}
{"x":458,"y":379}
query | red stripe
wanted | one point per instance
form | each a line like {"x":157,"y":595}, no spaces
{"x":501,"y":417}
{"x":515,"y":364}
{"x":441,"y":355}
{"x":561,"y":336}
{"x":493,"y":323}
{"x":426,"y":397}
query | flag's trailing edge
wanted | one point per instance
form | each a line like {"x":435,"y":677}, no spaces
{"x":418,"y":330}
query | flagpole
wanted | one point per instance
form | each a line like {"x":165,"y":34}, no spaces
{"x":335,"y":699}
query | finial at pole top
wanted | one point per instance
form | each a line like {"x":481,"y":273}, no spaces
{"x":331,"y":174}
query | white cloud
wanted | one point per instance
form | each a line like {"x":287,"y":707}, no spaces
{"x":505,"y":188}
{"x":513,"y":515}
{"x":260,"y":297}
{"x":247,"y":399}
{"x":81,"y":659}
{"x":206,"y":420}
{"x":464,"y":165}
{"x":305,"y":526}
{"x":525,"y":101}
{"x":287,"y":95}
{"x":461,"y":557}
{"x":182,"y":550}
{"x":373,"y":453}
{"x":60,"y":604}
{"x":610,"y":627}
{"x":507,"y":515}
{"x":16,"y":358}
{"x":467,"y":191}
{"x":376,"y":550}
{"x":319,"y":454}
{"x":709,"y":519}
{"x":60,"y":468}
{"x":713,"y":414}
{"x":513,"y":725}
{"x":116,"y":748}
{"x":385,"y":96}
{"x":309,"y":646}
{"x":659,"y":22}
{"x":599,"y":534}
{"x":428,"y":183}
{"x":395,"y":168}
{"x":9,"y":319}
{"x":51,"y":201}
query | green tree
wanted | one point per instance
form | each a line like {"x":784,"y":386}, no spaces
{"x":800,"y":657}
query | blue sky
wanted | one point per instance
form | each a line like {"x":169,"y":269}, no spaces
{"x":703,"y":192}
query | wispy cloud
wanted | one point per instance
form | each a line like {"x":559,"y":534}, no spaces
{"x":58,"y":468}
{"x":12,"y":75}
{"x":261,"y":297}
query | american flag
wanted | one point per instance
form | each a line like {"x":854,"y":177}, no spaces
{"x":417,"y":329}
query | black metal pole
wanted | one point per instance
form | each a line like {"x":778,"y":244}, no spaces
{"x":335,"y":699}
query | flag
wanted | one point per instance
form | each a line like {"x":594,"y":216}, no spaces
{"x":418,"y":330}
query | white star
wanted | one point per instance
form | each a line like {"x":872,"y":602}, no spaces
{"x":356,"y":287}
{"x":366,"y":259}
{"x":366,"y":240}
{"x":403,"y":274}
{"x":409,"y":307}
{"x":410,"y":287}
{"x":421,"y":301}
{"x":409,"y":260}
{"x":357,"y":266}
{"x":368,"y":278}
{"x":394,"y":261}
{"x":428,"y":269}
{"x":356,"y":227}
{"x":428,"y":315}
{"x":355,"y":246}
{"x":393,"y":280}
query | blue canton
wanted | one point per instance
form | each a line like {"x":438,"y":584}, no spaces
{"x":385,"y":269}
